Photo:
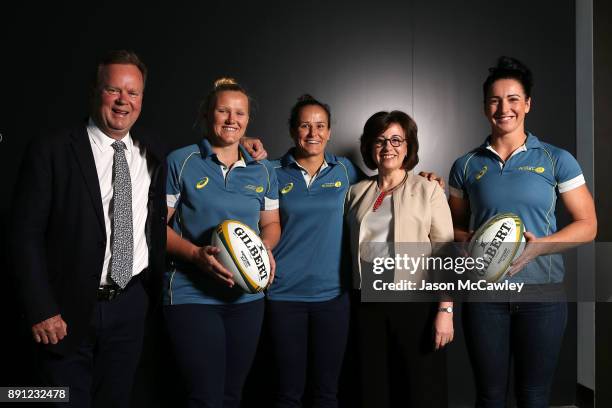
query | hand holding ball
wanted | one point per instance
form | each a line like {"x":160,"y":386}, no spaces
{"x":242,"y":253}
{"x":499,"y":241}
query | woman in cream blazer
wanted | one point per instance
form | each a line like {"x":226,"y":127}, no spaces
{"x":400,"y":343}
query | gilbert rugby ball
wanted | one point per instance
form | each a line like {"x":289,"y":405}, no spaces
{"x":499,"y":241}
{"x":243,"y":254}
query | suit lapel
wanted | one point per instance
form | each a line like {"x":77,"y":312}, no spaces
{"x":153,"y":151}
{"x":84,"y":155}
{"x":367,"y":201}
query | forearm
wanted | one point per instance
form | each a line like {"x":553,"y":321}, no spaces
{"x":583,"y":227}
{"x":270,"y":234}
{"x":460,"y":212}
{"x":574,"y":234}
{"x":461,"y":234}
{"x":180,"y":247}
{"x":579,"y":231}
{"x":28,"y":232}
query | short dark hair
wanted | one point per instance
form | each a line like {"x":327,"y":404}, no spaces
{"x":306,"y":100}
{"x":376,"y":126}
{"x":220,"y":85}
{"x":119,"y":57}
{"x":509,"y":68}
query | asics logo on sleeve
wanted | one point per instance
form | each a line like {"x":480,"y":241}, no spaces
{"x":202,"y":183}
{"x":482,"y":172}
{"x":288,"y":187}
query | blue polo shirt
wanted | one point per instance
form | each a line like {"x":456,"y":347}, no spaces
{"x":309,"y":256}
{"x":527,"y":184}
{"x":204,"y":193}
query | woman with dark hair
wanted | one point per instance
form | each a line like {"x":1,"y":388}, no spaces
{"x":213,"y":325}
{"x":513,"y":171}
{"x":308,"y":307}
{"x":400,"y":358}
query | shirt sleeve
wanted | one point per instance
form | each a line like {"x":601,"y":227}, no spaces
{"x":173,"y":186}
{"x":353,"y":173}
{"x":568,"y":173}
{"x":456,"y":182}
{"x":270,"y":201}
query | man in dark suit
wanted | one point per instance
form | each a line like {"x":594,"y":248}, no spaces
{"x":88,"y":236}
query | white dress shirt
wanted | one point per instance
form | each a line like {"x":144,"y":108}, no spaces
{"x":377,"y":229}
{"x":140,"y":174}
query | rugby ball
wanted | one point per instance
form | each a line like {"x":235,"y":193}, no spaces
{"x":243,"y":254}
{"x":499,"y":241}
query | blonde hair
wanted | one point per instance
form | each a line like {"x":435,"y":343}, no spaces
{"x":219,"y":85}
{"x":224,"y":81}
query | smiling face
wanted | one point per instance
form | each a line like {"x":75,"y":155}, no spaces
{"x":312,"y":132}
{"x":506,"y":106}
{"x":229,"y":118}
{"x":386,"y":156}
{"x":117,"y":99}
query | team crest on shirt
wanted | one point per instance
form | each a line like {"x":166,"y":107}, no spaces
{"x":481,"y":173}
{"x":202,"y":183}
{"x":288,"y":187}
{"x":336,"y":184}
{"x":534,"y":169}
{"x":257,"y":189}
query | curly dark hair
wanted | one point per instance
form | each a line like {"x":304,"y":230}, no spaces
{"x":509,"y":68}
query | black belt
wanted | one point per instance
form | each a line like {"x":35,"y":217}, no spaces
{"x":109,"y":292}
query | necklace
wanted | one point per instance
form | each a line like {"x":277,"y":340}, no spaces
{"x":383,"y":194}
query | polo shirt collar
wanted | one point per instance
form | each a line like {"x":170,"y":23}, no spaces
{"x":206,"y":151}
{"x":102,"y":141}
{"x":289,"y":158}
{"x":532,"y":142}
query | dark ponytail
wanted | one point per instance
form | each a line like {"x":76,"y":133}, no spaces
{"x":509,"y":68}
{"x":306,"y":100}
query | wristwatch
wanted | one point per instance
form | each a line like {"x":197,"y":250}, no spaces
{"x":448,"y":309}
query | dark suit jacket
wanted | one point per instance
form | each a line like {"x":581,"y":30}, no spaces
{"x":57,"y":234}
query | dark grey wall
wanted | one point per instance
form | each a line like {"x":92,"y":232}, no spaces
{"x":428,"y":58}
{"x":602,"y":61}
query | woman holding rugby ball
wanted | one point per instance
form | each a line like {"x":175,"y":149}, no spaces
{"x":518,"y":173}
{"x":213,"y":325}
{"x":401,"y":363}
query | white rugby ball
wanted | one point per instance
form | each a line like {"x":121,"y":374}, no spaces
{"x":499,"y":241}
{"x":243,"y":254}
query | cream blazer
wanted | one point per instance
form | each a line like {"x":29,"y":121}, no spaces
{"x":420,"y":215}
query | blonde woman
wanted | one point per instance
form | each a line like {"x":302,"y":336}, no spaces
{"x":213,"y":325}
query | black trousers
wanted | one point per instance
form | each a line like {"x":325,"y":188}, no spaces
{"x":214,"y":346}
{"x":100,"y":373}
{"x":399,"y":367}
{"x":308,"y":334}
